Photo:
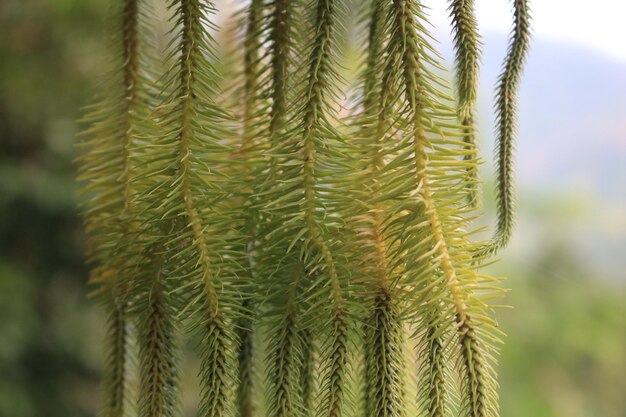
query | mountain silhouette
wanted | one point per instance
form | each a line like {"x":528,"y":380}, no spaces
{"x":572,"y":117}
{"x":571,"y":148}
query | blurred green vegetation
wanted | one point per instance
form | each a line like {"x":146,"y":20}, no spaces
{"x":566,"y":350}
{"x":565,"y":353}
{"x":48,"y":52}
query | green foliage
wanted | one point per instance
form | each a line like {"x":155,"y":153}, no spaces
{"x":107,"y":163}
{"x":565,"y":352}
{"x":323,"y":236}
{"x":467,"y":48}
{"x":506,"y":121}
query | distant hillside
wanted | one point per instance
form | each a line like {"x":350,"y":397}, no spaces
{"x":572,"y":112}
{"x":573,"y":116}
{"x":571,"y":157}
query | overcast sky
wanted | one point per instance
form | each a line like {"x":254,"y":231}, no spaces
{"x":596,"y":24}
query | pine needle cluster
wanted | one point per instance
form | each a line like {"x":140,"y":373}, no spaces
{"x":325,"y":264}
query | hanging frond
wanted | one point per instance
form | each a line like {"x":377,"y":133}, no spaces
{"x":385,"y":388}
{"x":246,"y":355}
{"x":285,"y":365}
{"x":506,"y":125}
{"x":480,"y":396}
{"x":295,"y":200}
{"x":252,"y":63}
{"x":158,"y":364}
{"x":281,"y":34}
{"x":433,"y":390}
{"x":312,"y":148}
{"x":107,"y":166}
{"x":187,"y":200}
{"x":467,"y":52}
{"x":115,"y":378}
{"x":332,"y":256}
{"x":279,"y":275}
{"x":414,"y":163}
{"x":252,"y":141}
{"x":385,"y":368}
{"x":308,"y":372}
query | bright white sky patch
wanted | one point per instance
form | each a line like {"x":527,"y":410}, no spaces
{"x":595,"y":24}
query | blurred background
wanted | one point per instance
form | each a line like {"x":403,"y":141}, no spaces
{"x":565,"y":355}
